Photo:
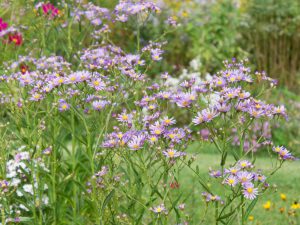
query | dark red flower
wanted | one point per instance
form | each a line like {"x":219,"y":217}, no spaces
{"x":24,"y":68}
{"x":16,"y":38}
{"x":174,"y":185}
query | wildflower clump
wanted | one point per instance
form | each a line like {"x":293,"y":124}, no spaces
{"x":105,"y":142}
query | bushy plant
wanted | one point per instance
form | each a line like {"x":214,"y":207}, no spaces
{"x":105,"y":144}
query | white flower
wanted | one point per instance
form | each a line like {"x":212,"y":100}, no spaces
{"x":21,"y":206}
{"x":28,"y":188}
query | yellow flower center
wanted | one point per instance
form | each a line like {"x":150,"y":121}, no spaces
{"x":171,"y":154}
{"x":158,"y":209}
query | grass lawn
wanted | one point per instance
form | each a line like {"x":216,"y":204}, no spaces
{"x":286,"y":180}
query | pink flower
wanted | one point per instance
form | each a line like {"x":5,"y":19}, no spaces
{"x":51,"y":10}
{"x":3,"y":25}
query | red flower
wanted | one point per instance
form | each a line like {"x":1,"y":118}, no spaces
{"x":15,"y":38}
{"x":174,"y":185}
{"x":51,"y":10}
{"x":24,"y":68}
{"x":3,"y":25}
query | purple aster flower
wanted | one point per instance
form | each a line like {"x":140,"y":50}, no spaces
{"x":136,"y":142}
{"x":259,"y":177}
{"x":285,"y":154}
{"x":209,"y":114}
{"x":166,"y":121}
{"x":125,"y":117}
{"x":161,"y":209}
{"x":210,"y":198}
{"x":244,"y":176}
{"x":244,"y":164}
{"x":215,"y":173}
{"x":223,"y":107}
{"x":63,"y":105}
{"x":98,"y":105}
{"x":256,"y":113}
{"x":156,"y":128}
{"x":36,"y":97}
{"x":250,"y":192}
{"x":97,"y":84}
{"x":156,"y":54}
{"x":47,"y":151}
{"x":172,"y":153}
{"x":198,"y":119}
{"x":232,"y":170}
{"x":231,"y":180}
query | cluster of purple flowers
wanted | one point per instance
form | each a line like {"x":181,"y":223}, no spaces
{"x":127,"y":8}
{"x":283,"y":153}
{"x":241,"y":177}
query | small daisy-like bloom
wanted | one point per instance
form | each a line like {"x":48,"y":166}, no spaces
{"x":97,"y":84}
{"x":244,"y":164}
{"x":47,"y":151}
{"x":250,"y":192}
{"x":161,"y":209}
{"x":259,"y":177}
{"x":267,"y":205}
{"x":255,"y":113}
{"x":209,"y":114}
{"x":285,"y":154}
{"x":232,"y":170}
{"x":156,"y":54}
{"x":220,"y":82}
{"x":244,"y":177}
{"x":36,"y":97}
{"x":210,"y":198}
{"x":3,"y":25}
{"x":156,"y":128}
{"x":215,"y":173}
{"x":152,"y":139}
{"x":223,"y":107}
{"x":125,"y":117}
{"x":63,"y":105}
{"x":122,"y":18}
{"x":283,"y":197}
{"x":231,"y":180}
{"x":280,"y":110}
{"x":198,"y":119}
{"x":3,"y":184}
{"x":166,"y":121}
{"x":172,"y":153}
{"x":98,"y":105}
{"x":277,"y":149}
{"x":136,"y":142}
{"x":16,"y":38}
{"x":244,"y":95}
